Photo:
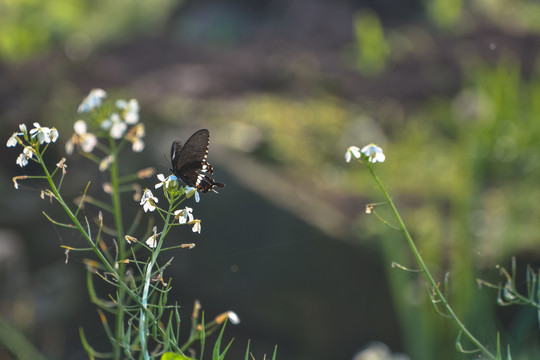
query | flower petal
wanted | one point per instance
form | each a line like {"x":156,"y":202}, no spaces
{"x":80,"y":127}
{"x":234,"y":319}
{"x":92,"y":101}
{"x":352,"y":151}
{"x":12,"y":141}
{"x":151,"y":242}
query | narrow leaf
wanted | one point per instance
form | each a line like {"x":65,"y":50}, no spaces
{"x":247,"y":351}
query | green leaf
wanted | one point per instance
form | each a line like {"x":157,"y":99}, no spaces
{"x":202,"y":335}
{"x":275,"y":353}
{"x":216,"y":355}
{"x":222,"y":355}
{"x":174,"y":356}
{"x":247,"y":351}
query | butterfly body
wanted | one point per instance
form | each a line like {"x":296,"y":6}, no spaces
{"x":189,"y":162}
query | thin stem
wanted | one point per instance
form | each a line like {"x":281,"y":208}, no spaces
{"x":110,"y":268}
{"x":146,"y":315}
{"x":427,"y":273}
{"x":143,"y":326}
{"x":117,"y":212}
{"x":117,"y":208}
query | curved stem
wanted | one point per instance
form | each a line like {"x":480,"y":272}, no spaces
{"x":427,"y":273}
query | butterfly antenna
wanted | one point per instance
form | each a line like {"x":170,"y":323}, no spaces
{"x":167,"y":160}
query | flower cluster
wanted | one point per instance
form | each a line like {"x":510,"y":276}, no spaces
{"x":371,"y":152}
{"x":92,"y":101}
{"x":116,"y":124}
{"x":185,"y":216}
{"x":170,"y":183}
{"x":32,"y":139}
{"x":44,"y":134}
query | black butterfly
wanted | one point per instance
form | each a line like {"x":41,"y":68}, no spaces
{"x":189,"y":162}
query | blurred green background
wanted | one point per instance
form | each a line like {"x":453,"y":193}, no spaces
{"x":450,"y":89}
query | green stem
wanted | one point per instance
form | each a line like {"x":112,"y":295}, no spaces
{"x":427,"y":273}
{"x":123,"y":287}
{"x":143,"y":324}
{"x":117,"y":212}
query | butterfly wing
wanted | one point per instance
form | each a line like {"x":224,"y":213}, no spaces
{"x":189,"y":162}
{"x":195,"y":149}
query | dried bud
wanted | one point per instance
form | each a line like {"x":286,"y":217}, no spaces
{"x":146,"y":173}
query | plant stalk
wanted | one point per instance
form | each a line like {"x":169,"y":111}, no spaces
{"x":427,"y":273}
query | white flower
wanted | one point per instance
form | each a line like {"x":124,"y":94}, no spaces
{"x":352,"y":151}
{"x":118,"y":127}
{"x":27,"y":153}
{"x":148,"y":201}
{"x":22,"y":160}
{"x":115,"y":125}
{"x":85,"y":140}
{"x":196,"y":225}
{"x":130,"y":110}
{"x":92,"y":101}
{"x":373,"y":153}
{"x":184,"y":216}
{"x":135,"y":136}
{"x":138,"y":145}
{"x":152,"y":241}
{"x":88,"y":142}
{"x":189,"y":191}
{"x":43,"y":133}
{"x":12,"y":141}
{"x":235,"y":320}
{"x":80,"y":127}
{"x":164,"y":181}
{"x":54,"y":134}
{"x":136,"y":140}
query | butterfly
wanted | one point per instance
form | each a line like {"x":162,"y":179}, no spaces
{"x":189,"y":162}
